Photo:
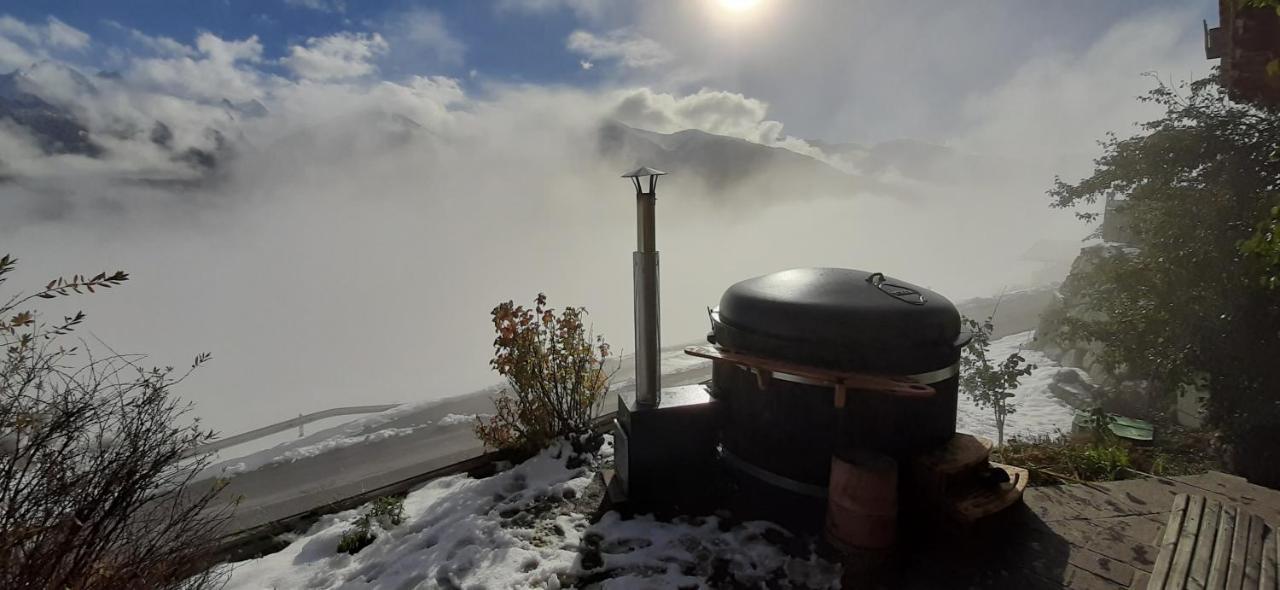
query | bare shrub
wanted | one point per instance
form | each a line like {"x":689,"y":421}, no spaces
{"x":555,"y":370}
{"x":93,"y":492}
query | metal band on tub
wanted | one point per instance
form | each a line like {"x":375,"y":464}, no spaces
{"x":771,"y":478}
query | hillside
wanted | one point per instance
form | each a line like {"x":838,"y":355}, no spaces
{"x":728,"y":164}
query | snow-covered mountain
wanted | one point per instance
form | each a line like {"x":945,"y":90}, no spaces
{"x":726,"y":164}
{"x":66,"y":113}
{"x":902,"y":168}
{"x":55,"y":129}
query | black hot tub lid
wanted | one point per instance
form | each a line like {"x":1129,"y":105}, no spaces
{"x":848,"y":318}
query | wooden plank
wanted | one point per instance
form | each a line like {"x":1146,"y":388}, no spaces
{"x":1096,"y":501}
{"x":1262,"y":501}
{"x":886,"y":384}
{"x":1267,"y":578}
{"x":1239,"y":546}
{"x":1040,"y":544}
{"x":1221,"y":549}
{"x":1253,"y":559}
{"x":1168,"y":541}
{"x":1117,"y":572}
{"x":1186,"y":545}
{"x":1077,"y":578}
{"x":1198,"y":575}
{"x":1134,"y":540}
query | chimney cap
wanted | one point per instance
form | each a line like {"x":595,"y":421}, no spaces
{"x":643,"y":171}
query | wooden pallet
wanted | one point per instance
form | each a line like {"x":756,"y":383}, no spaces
{"x":1210,"y":545}
{"x":994,"y":500}
{"x":940,"y":475}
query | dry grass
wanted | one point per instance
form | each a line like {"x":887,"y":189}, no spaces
{"x":1074,"y":458}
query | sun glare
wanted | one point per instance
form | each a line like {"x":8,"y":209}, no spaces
{"x":739,"y":5}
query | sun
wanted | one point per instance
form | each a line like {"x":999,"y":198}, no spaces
{"x":738,"y":5}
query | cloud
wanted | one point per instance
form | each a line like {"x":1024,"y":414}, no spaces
{"x":624,"y":46}
{"x":335,"y":6}
{"x":220,"y":69}
{"x":61,"y":34}
{"x":582,"y":8}
{"x":335,"y":57}
{"x":1063,"y":102}
{"x":222,"y":51}
{"x":421,"y":33}
{"x":402,"y":199}
{"x":13,"y":56}
{"x":159,"y":45}
{"x":53,"y":34}
{"x":713,"y":111}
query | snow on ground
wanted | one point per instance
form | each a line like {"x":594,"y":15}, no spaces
{"x":671,"y":360}
{"x":702,"y":552}
{"x":455,"y":419}
{"x":674,"y":360}
{"x":1038,"y":412}
{"x":347,"y":432}
{"x":518,"y":529}
{"x":294,"y":453}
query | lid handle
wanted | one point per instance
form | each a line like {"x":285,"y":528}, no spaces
{"x":899,"y":292}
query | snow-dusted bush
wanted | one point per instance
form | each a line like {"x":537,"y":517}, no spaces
{"x":383,"y":513}
{"x":555,"y":369}
{"x":92,"y":492}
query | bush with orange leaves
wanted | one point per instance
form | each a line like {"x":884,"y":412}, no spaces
{"x":556,"y":377}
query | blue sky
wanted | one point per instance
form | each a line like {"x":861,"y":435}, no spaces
{"x":503,"y":43}
{"x":805,"y":59}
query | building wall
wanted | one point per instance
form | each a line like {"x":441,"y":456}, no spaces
{"x":1192,"y":398}
{"x":1250,"y":40}
{"x":1115,"y":222}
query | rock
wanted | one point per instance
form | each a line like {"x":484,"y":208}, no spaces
{"x":1074,"y":377}
{"x":1073,"y":387}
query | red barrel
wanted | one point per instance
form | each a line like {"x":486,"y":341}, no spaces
{"x":862,"y":505}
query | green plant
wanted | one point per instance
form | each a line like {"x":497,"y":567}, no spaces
{"x":357,"y":537}
{"x":96,"y":487}
{"x":1100,"y":422}
{"x":556,"y":377}
{"x":1101,"y":462}
{"x":1063,"y":459}
{"x":1264,"y":247}
{"x":1192,"y":296}
{"x":991,"y":383}
{"x":381,"y":514}
{"x":1071,"y":459}
{"x":387,"y":511}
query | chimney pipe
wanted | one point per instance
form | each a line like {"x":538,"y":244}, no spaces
{"x":644,"y":263}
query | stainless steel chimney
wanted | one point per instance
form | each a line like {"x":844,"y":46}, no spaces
{"x":644,"y":268}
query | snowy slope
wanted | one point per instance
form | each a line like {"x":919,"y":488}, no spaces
{"x":518,"y":529}
{"x":1038,"y":411}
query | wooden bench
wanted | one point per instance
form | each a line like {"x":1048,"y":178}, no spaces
{"x":1210,"y":545}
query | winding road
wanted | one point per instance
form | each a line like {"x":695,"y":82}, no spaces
{"x":281,"y":490}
